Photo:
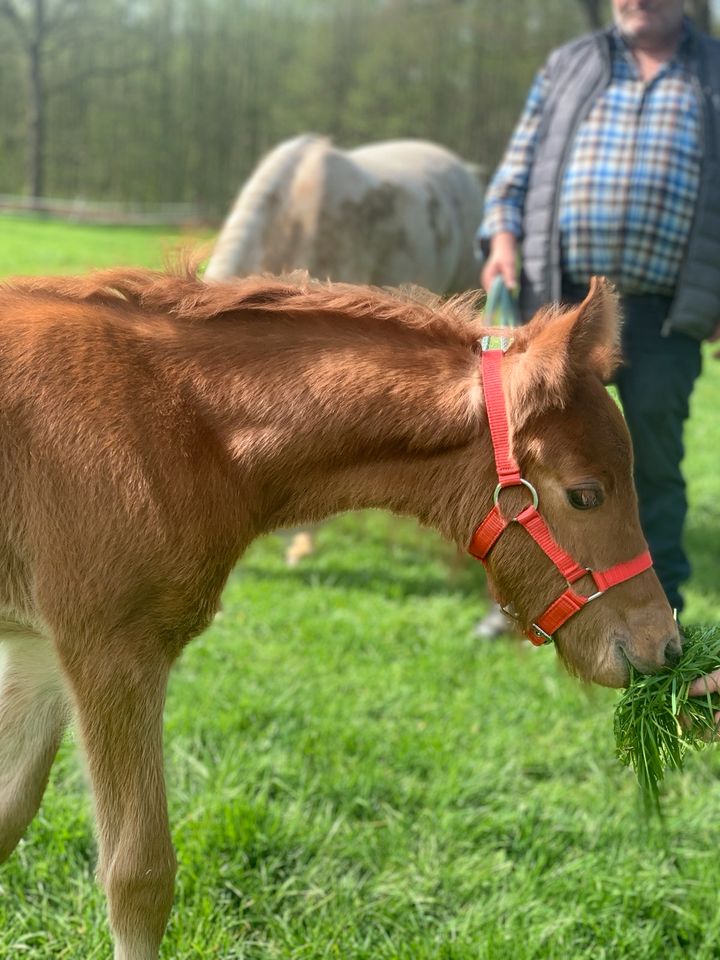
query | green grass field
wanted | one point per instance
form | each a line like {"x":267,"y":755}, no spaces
{"x":33,"y":246}
{"x":352,"y":775}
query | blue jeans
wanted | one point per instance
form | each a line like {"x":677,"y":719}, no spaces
{"x":655,"y":381}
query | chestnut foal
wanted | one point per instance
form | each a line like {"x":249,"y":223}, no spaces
{"x":153,"y":425}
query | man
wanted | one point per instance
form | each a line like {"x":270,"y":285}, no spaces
{"x":614,"y":169}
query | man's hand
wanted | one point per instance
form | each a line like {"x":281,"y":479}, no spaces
{"x":502,"y":261}
{"x":700,"y":688}
{"x":707,"y":684}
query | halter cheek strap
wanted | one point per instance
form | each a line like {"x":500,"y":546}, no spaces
{"x":494,"y":525}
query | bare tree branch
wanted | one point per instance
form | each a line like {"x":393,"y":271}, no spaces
{"x":9,"y":11}
{"x":594,"y":12}
{"x":699,"y":10}
{"x":67,"y":13}
{"x":92,"y":72}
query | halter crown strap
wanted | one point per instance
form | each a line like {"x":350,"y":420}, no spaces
{"x":507,"y":469}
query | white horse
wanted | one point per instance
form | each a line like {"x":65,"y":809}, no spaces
{"x":401,"y":211}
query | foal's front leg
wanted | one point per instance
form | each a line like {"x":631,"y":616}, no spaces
{"x":33,"y":714}
{"x":120,"y":697}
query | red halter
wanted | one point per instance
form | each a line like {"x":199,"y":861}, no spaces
{"x":494,"y":524}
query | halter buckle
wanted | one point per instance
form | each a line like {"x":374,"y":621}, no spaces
{"x":595,"y":595}
{"x":543,"y":637}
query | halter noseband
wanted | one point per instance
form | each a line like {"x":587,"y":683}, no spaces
{"x":494,"y":524}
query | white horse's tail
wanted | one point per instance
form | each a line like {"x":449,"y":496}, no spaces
{"x":238,"y":250}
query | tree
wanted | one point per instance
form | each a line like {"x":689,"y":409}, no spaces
{"x":31,"y":27}
{"x":596,"y":13}
{"x":155,"y":101}
{"x":594,"y":10}
{"x":699,"y":10}
{"x":41,"y":29}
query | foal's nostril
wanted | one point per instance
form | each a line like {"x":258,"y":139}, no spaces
{"x":673,"y":652}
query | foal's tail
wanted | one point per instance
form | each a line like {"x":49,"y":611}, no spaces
{"x":238,"y":250}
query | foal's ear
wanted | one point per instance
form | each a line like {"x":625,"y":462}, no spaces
{"x":563,"y":346}
{"x":594,"y":342}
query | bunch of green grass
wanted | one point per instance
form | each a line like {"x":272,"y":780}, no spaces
{"x":656,"y":721}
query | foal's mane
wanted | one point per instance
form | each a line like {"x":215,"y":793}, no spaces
{"x":185,"y":296}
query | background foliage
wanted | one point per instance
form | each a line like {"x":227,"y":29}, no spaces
{"x":175,"y":100}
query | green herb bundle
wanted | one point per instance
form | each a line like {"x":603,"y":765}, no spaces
{"x":655,"y":719}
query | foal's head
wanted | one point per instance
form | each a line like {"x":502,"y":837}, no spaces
{"x":571,"y":443}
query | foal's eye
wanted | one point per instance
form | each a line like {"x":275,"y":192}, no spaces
{"x":585,"y":498}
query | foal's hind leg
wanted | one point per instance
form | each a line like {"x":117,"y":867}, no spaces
{"x":33,"y":714}
{"x":119,"y":698}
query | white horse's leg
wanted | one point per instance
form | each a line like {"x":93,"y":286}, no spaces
{"x":119,"y":698}
{"x":33,"y":714}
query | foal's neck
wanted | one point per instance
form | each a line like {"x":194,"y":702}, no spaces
{"x":323,"y":417}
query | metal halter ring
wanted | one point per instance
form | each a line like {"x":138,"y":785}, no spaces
{"x":525,"y":483}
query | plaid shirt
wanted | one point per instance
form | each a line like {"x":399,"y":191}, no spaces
{"x":630,"y":184}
